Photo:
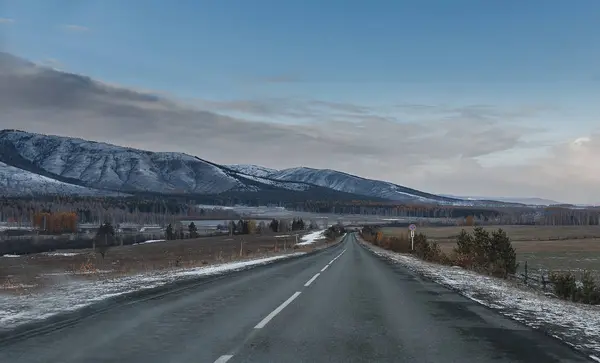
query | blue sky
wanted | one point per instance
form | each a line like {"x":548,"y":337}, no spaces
{"x":509,"y":54}
{"x":194,"y":47}
{"x":465,"y":51}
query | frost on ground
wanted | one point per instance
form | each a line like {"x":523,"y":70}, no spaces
{"x":149,"y":241}
{"x":576,"y":324}
{"x":19,"y":309}
{"x":311,"y":238}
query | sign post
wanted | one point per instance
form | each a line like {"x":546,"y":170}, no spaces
{"x":412,"y":228}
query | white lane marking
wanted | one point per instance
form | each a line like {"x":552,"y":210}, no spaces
{"x":223,"y":358}
{"x":336,"y":257}
{"x":324,"y":268}
{"x":312,"y":279}
{"x":276,"y":311}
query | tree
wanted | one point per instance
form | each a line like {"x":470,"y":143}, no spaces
{"x":274,"y":225}
{"x":169,"y":232}
{"x":464,"y":243}
{"x":193,"y":230}
{"x":503,"y":256}
{"x":469,"y":221}
{"x":482,"y":250}
{"x":252,"y":228}
{"x":262,"y":227}
{"x":105,"y":238}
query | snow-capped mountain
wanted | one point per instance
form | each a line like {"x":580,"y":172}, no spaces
{"x":519,"y":200}
{"x":343,"y":182}
{"x":18,"y":182}
{"x":115,"y":168}
{"x":255,"y":170}
{"x":42,"y":164}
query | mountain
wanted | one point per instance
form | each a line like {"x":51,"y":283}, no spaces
{"x":19,"y":182}
{"x":44,"y":164}
{"x":344,"y":182}
{"x":518,"y":200}
{"x":108,"y":167}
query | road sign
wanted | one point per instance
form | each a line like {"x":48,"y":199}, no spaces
{"x":412,"y":228}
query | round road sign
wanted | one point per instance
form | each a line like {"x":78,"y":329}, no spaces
{"x":412,"y":227}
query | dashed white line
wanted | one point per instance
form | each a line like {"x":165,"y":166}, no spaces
{"x":276,"y":311}
{"x":311,"y":280}
{"x":324,"y":268}
{"x":223,"y":358}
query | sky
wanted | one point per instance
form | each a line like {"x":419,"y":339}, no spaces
{"x":463,"y":97}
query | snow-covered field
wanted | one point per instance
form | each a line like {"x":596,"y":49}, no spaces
{"x":20,"y":309}
{"x":576,"y":324}
{"x":311,"y":238}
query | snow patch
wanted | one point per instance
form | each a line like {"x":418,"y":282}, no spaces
{"x":61,"y":254}
{"x":150,"y":241}
{"x":11,"y":256}
{"x":312,"y":237}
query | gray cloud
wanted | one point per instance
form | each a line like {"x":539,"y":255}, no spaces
{"x":6,"y":21}
{"x":440,"y":155}
{"x":75,"y":28}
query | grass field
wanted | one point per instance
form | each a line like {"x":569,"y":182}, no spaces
{"x":36,"y":271}
{"x":545,"y":248}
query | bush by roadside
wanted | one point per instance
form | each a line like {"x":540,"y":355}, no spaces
{"x":334,"y":232}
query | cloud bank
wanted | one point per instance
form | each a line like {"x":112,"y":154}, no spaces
{"x":435,"y":148}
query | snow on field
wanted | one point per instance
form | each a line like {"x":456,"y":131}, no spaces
{"x":10,"y":256}
{"x":576,"y":324}
{"x":61,"y":254}
{"x":150,"y":241}
{"x":19,"y":309}
{"x":312,"y":237}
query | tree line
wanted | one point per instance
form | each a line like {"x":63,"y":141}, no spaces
{"x":166,"y":210}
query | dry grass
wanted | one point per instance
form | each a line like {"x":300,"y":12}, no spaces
{"x":37,"y":271}
{"x":557,"y":248}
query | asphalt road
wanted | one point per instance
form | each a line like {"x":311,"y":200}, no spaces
{"x":343,"y":304}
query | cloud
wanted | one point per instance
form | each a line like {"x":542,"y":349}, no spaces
{"x":52,"y":63}
{"x":441,"y":152}
{"x":6,"y":21}
{"x":75,"y":28}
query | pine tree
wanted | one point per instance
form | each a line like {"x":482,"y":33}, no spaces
{"x":193,"y":230}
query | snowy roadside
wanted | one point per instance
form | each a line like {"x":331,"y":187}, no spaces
{"x":311,"y":238}
{"x":17,"y":310}
{"x":576,"y":324}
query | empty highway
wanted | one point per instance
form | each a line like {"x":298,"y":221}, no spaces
{"x":343,"y":304}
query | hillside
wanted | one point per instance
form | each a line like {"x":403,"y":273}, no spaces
{"x":344,"y":182}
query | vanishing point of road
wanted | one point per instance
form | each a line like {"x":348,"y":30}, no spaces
{"x":343,"y":304}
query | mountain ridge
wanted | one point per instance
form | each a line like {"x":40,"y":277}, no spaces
{"x":100,"y":166}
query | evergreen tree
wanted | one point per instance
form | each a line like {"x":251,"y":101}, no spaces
{"x":105,"y":238}
{"x":169,"y":232}
{"x":193,"y":230}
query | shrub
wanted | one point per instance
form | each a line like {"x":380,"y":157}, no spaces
{"x":400,"y":244}
{"x":564,"y":285}
{"x":502,"y":255}
{"x":491,"y":254}
{"x":464,"y":243}
{"x":589,"y":292}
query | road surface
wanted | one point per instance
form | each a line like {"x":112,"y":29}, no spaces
{"x":343,"y":304}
